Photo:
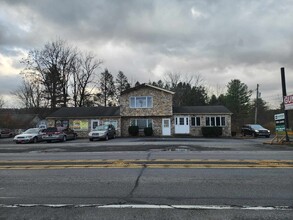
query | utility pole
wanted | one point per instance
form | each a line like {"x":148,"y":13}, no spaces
{"x":283,"y":80}
{"x":256,"y":105}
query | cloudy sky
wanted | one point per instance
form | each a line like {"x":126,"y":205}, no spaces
{"x":219,"y":40}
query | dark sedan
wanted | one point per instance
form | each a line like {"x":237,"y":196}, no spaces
{"x":255,"y":130}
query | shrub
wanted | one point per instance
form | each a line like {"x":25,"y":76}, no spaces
{"x":133,"y":130}
{"x":211,"y":131}
{"x":148,"y":131}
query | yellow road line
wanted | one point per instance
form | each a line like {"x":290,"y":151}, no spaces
{"x":159,"y":163}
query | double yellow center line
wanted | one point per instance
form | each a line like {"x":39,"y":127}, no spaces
{"x":156,"y":163}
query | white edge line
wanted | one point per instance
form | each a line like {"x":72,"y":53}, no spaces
{"x":139,"y":206}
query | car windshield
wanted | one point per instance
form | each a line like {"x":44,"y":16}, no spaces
{"x":257,"y":127}
{"x":31,"y":131}
{"x":101,"y":128}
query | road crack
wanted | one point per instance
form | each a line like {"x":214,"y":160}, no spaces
{"x":144,"y":166}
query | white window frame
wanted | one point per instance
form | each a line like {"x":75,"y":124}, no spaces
{"x":215,"y":121}
{"x":197,"y":121}
{"x":133,"y":101}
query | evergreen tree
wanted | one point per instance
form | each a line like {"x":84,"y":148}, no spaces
{"x":107,"y":88}
{"x":121,"y":83}
{"x":237,"y":101}
{"x":213,"y":100}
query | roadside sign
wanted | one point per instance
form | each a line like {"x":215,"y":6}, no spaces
{"x":280,"y":116}
{"x":288,"y":102}
{"x":280,"y":122}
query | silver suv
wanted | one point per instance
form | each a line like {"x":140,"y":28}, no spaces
{"x":104,"y":132}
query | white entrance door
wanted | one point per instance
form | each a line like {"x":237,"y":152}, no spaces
{"x":181,"y":125}
{"x":94,"y":124}
{"x":166,"y":126}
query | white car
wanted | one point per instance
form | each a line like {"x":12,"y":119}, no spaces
{"x":32,"y":135}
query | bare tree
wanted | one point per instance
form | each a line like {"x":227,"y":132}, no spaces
{"x":172,"y":79}
{"x":29,"y":94}
{"x":2,"y":103}
{"x":84,"y":74}
{"x":53,"y":65}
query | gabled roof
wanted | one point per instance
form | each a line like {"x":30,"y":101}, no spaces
{"x":85,"y":112}
{"x":144,"y":85}
{"x":216,"y":109}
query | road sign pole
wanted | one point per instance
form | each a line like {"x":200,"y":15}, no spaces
{"x":285,"y":94}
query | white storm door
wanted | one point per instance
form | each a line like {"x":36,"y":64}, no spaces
{"x":182,"y":125}
{"x":166,"y":126}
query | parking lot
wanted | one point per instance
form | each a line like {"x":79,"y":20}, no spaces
{"x":144,"y":144}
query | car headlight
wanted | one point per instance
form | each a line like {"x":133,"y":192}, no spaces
{"x":256,"y":131}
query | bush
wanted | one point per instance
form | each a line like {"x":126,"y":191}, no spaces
{"x":148,"y":131}
{"x":133,"y":130}
{"x":211,"y":131}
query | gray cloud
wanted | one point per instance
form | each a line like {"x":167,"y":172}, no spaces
{"x":220,"y":40}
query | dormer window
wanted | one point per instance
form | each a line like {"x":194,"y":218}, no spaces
{"x":141,"y":102}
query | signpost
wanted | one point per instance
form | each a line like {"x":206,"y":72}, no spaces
{"x":280,"y":123}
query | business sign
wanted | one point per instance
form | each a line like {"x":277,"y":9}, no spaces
{"x":288,"y":102}
{"x":80,"y":125}
{"x":280,"y":122}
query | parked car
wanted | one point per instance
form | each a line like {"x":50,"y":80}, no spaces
{"x":5,"y":132}
{"x":32,"y":135}
{"x":102,"y":132}
{"x":58,"y":134}
{"x":255,"y":130}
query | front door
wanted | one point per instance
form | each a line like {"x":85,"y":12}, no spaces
{"x":166,"y":126}
{"x":181,"y":125}
{"x":94,"y":124}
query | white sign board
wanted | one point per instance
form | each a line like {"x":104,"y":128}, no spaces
{"x":280,"y":116}
{"x":288,"y":102}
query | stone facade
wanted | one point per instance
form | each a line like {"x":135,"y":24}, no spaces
{"x":162,"y":103}
{"x":83,"y":133}
{"x":156,"y":125}
{"x":161,"y":108}
{"x":196,"y":131}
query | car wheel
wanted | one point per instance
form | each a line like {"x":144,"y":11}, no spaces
{"x":64,"y":138}
{"x":268,"y":136}
{"x":114,"y":136}
{"x":49,"y":141}
{"x":91,"y":139}
{"x":74,"y":137}
{"x":255,"y":134}
{"x":35,"y":140}
{"x":107,"y":137}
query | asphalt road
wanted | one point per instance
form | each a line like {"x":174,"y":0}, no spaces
{"x":262,"y":188}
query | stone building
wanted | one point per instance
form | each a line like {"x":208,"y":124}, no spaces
{"x":145,"y":106}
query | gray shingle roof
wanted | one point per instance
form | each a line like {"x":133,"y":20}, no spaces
{"x":85,"y":112}
{"x":144,"y":85}
{"x":201,"y":110}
